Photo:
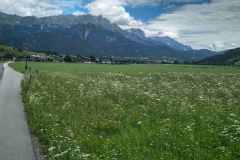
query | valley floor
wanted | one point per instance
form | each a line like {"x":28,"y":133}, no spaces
{"x":134,"y":112}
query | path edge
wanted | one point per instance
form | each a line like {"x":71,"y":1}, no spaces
{"x":36,"y":147}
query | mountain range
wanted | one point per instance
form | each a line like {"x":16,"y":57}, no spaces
{"x":229,"y":57}
{"x":89,"y":35}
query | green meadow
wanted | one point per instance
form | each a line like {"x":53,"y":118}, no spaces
{"x":128,"y":69}
{"x":133,"y":112}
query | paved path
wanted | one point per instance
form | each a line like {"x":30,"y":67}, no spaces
{"x":15,"y":141}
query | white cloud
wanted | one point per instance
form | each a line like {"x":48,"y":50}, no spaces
{"x":114,"y":11}
{"x":215,"y":26}
{"x":29,"y":8}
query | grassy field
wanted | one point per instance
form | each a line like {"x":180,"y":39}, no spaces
{"x":128,"y":69}
{"x":134,"y":112}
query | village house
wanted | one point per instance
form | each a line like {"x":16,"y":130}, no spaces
{"x":38,"y":58}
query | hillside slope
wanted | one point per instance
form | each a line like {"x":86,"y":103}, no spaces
{"x":230,"y":57}
{"x":9,"y":52}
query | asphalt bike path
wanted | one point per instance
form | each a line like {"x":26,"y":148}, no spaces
{"x":15,"y":139}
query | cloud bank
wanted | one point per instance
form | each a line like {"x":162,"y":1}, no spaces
{"x":214,"y":26}
{"x":39,"y":8}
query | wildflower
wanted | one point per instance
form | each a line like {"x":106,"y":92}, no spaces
{"x":51,"y":148}
{"x":84,"y":155}
{"x":61,"y":154}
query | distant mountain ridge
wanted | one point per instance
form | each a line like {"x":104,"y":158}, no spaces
{"x":139,"y":36}
{"x":89,"y":35}
{"x":230,"y":57}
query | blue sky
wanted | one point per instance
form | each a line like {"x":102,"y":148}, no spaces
{"x":212,"y":24}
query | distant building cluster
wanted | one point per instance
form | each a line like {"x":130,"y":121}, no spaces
{"x":97,"y":60}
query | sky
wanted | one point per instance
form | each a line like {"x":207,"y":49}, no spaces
{"x":210,"y":24}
